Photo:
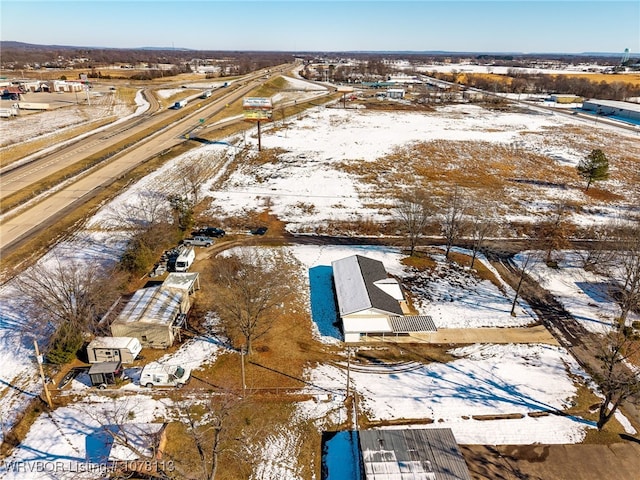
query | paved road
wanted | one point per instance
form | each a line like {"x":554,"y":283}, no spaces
{"x":39,"y":216}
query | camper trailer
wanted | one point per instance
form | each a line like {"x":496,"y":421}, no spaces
{"x":113,"y":349}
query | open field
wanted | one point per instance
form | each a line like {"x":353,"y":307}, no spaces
{"x":335,"y":170}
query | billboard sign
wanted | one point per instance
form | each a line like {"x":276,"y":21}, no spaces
{"x":257,"y":109}
{"x":252,"y":103}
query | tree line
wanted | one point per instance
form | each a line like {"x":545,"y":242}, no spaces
{"x":544,"y":84}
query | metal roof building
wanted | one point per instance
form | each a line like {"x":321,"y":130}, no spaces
{"x":370,"y":302}
{"x":613,"y":108}
{"x":154,"y":315}
{"x":411,"y":454}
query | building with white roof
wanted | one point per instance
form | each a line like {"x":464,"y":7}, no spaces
{"x":613,"y":107}
{"x":370,"y":302}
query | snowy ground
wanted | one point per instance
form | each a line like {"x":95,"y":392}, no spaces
{"x":485,"y":380}
{"x":583,"y":294}
{"x":308,"y":187}
{"x":61,"y":440}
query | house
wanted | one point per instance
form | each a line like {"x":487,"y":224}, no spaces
{"x":372,"y":303}
{"x":428,"y":453}
{"x":155,"y":315}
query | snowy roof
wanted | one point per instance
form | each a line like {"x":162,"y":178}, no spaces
{"x":355,"y":280}
{"x":419,"y":454}
{"x":180,"y":281}
{"x":151,"y":305}
{"x":113,"y":342}
{"x":634,"y":107}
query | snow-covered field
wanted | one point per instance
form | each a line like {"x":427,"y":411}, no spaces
{"x":484,"y":380}
{"x":307,"y":187}
{"x":584,"y":294}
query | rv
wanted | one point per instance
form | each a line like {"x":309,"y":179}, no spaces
{"x":113,"y":349}
{"x":158,"y":375}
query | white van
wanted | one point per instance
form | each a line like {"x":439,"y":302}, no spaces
{"x":185,"y":258}
{"x":158,"y":375}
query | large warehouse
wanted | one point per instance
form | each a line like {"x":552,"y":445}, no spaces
{"x":613,"y":108}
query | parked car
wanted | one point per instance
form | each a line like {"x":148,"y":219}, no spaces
{"x":210,"y":232}
{"x":258,"y":231}
{"x":198,"y":241}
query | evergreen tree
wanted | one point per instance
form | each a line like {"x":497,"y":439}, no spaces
{"x":594,"y":167}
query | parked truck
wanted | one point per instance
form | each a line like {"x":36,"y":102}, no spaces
{"x":156,"y":374}
{"x":185,"y":258}
{"x":198,"y":241}
{"x":180,"y":104}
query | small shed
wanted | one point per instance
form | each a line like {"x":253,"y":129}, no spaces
{"x":110,"y":349}
{"x":395,"y":93}
{"x":105,"y":373}
{"x":182,"y":282}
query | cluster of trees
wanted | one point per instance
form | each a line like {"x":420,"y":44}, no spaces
{"x":538,"y":83}
{"x":19,"y":55}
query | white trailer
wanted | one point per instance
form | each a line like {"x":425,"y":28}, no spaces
{"x":206,"y":94}
{"x":113,"y":349}
{"x":185,"y":258}
{"x":180,"y":104}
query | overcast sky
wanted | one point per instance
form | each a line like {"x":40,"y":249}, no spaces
{"x":545,"y":26}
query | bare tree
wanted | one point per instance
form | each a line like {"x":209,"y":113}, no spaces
{"x":207,"y":425}
{"x":553,"y":233}
{"x":413,"y":210}
{"x":193,"y":175}
{"x":118,"y":430}
{"x":627,"y":270}
{"x":68,"y":297}
{"x":526,"y":263}
{"x":148,"y":208}
{"x":481,"y":223}
{"x":251,"y":286}
{"x":453,"y":221}
{"x":617,"y":382}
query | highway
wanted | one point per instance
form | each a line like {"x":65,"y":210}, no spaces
{"x":37,"y":216}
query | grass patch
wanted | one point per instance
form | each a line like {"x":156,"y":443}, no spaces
{"x":602,"y":195}
{"x":420,"y":261}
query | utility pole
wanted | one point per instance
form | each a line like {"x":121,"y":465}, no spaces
{"x":348,"y":371}
{"x":44,"y":381}
{"x":259,"y":139}
{"x":244,"y":383}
